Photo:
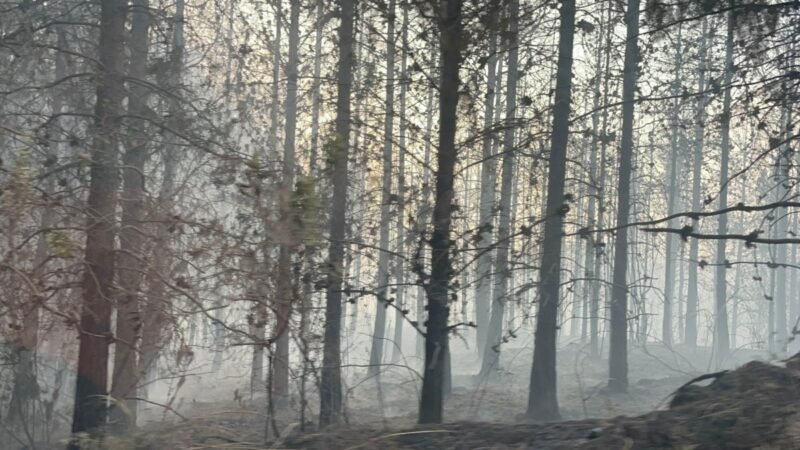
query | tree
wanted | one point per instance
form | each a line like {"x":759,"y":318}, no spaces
{"x":488,"y":187}
{"x":542,"y":400}
{"x":618,"y":350}
{"x":285,"y":278}
{"x":491,"y":352}
{"x":436,"y":345}
{"x":692,"y":298}
{"x":400,"y":267}
{"x":669,"y":266}
{"x":721,"y":334}
{"x":376,"y":351}
{"x":331,"y":375}
{"x":91,"y":389}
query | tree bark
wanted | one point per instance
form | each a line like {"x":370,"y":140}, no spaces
{"x":331,"y":378}
{"x":483,"y":284}
{"x":598,"y":284}
{"x":491,"y":352}
{"x":721,"y":334}
{"x":436,"y":339}
{"x":124,"y":380}
{"x":669,"y":265}
{"x":424,"y":209}
{"x":91,"y":391}
{"x":542,"y":399}
{"x":283,"y":309}
{"x":400,"y":267}
{"x":376,"y":351}
{"x":618,"y":349}
{"x":692,"y":298}
{"x":157,"y":306}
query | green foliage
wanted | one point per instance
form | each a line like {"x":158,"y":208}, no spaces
{"x":61,"y":245}
{"x":306,"y":209}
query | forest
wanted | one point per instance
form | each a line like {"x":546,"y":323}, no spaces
{"x":330,"y":224}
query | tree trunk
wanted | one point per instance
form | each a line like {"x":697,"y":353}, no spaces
{"x":483,"y":285}
{"x":283,"y":310}
{"x":436,"y":345}
{"x":721,"y":334}
{"x":542,"y":400}
{"x":331,"y":376}
{"x":491,"y":352}
{"x":618,"y":349}
{"x":124,"y":378}
{"x":376,"y":352}
{"x":424,"y":209}
{"x":91,"y":391}
{"x":598,"y":285}
{"x":316,"y":102}
{"x":692,"y":298}
{"x":782,"y":226}
{"x":157,"y":307}
{"x":594,"y":190}
{"x":669,"y":265}
{"x":400,"y":267}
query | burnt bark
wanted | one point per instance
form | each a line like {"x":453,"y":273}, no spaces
{"x":91,"y":390}
{"x":542,"y":399}
{"x":436,"y":339}
{"x":331,"y":376}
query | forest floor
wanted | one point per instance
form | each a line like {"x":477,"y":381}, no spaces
{"x":754,"y":406}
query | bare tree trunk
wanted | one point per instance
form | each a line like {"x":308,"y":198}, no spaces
{"x":794,"y":307}
{"x":316,"y":102}
{"x":542,"y":399}
{"x":721,"y":334}
{"x":157,"y":305}
{"x":126,"y":370}
{"x":400,"y":267}
{"x":283,"y":309}
{"x":91,"y":391}
{"x":436,"y":339}
{"x":692,"y":298}
{"x":483,"y":285}
{"x":669,"y":265}
{"x":424,"y":209}
{"x":331,"y":376}
{"x":376,"y":352}
{"x":618,"y":349}
{"x":363,"y":83}
{"x":782,"y":226}
{"x":594,"y":190}
{"x":598,"y":284}
{"x":491,"y":352}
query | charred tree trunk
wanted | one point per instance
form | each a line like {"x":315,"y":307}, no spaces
{"x":542,"y":399}
{"x":400,"y":267}
{"x":669,"y":264}
{"x":692,"y":297}
{"x":721,"y":334}
{"x":436,"y":339}
{"x":91,"y":391}
{"x":157,"y":308}
{"x":424,"y":208}
{"x":618,"y":346}
{"x":128,"y":324}
{"x":376,"y":351}
{"x":491,"y":352}
{"x":331,"y":378}
{"x":483,"y":283}
{"x":283,"y":309}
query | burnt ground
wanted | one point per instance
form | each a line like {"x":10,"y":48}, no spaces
{"x":753,"y":406}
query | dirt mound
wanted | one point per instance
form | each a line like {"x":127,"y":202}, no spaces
{"x":754,"y":406}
